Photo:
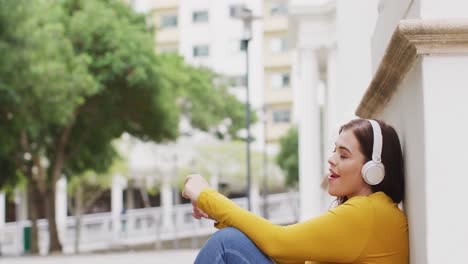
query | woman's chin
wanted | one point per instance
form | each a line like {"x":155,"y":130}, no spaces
{"x":331,"y":192}
{"x":334,"y":192}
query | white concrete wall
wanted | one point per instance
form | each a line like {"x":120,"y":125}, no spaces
{"x":445,"y":94}
{"x":428,"y":111}
{"x":405,"y":112}
{"x":354,"y":24}
{"x":434,"y":9}
{"x":389,"y":14}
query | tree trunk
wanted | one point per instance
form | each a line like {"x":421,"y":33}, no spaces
{"x":54,"y":242}
{"x":33,"y":197}
{"x":146,"y":200}
{"x":130,"y":199}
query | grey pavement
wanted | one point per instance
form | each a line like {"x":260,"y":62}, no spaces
{"x":147,"y":257}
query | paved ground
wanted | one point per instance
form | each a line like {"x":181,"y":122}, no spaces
{"x":150,"y":257}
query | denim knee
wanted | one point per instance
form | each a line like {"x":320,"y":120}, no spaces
{"x":230,"y":245}
{"x":228,"y":234}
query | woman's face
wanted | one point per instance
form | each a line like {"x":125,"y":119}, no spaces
{"x":346,"y":162}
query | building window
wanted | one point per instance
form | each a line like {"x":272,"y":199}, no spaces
{"x":278,"y":9}
{"x":279,"y":44}
{"x":280,"y":80}
{"x":200,"y":16}
{"x":243,"y":45}
{"x":234,"y":9}
{"x":168,"y":21}
{"x":238,"y":81}
{"x":164,"y":50}
{"x":281,"y":116}
{"x":201,"y":51}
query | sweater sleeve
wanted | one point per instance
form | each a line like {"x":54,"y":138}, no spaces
{"x":340,"y":235}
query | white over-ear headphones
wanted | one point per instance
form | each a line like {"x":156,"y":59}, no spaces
{"x":373,"y":171}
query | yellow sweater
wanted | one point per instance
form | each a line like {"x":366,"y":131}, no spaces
{"x":364,"y":229}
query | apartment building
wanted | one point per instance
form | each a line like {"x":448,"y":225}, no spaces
{"x":207,"y":33}
{"x":277,"y":64}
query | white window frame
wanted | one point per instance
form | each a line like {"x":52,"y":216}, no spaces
{"x":278,"y":44}
{"x":204,"y":16}
{"x":278,"y":80}
{"x":233,"y":8}
{"x":163,"y":24}
{"x":201,"y":51}
{"x":278,"y":8}
{"x":281,"y":116}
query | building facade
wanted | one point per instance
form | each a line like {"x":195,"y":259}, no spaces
{"x":277,"y":65}
{"x":208,"y":34}
{"x":402,"y":62}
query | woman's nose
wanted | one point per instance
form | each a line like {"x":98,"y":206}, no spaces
{"x":331,"y":161}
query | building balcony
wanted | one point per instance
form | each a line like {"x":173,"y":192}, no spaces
{"x":165,"y":4}
{"x":278,"y":96}
{"x":274,"y":60}
{"x":276,"y":130}
{"x":275,"y":24}
{"x":165,"y":36}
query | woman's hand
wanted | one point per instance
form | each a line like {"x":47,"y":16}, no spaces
{"x":193,"y":186}
{"x":198,"y":213}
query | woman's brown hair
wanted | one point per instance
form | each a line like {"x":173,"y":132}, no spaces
{"x":393,"y":183}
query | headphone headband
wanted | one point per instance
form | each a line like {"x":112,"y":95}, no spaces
{"x":377,"y":146}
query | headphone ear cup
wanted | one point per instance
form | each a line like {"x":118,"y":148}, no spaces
{"x":373,"y":172}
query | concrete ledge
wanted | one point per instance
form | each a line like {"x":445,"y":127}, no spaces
{"x":412,"y":37}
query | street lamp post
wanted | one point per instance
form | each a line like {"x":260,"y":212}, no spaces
{"x":247,"y":17}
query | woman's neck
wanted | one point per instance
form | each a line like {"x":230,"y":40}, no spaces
{"x":362,"y":192}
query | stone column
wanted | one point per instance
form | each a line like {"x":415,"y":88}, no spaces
{"x":255,"y":197}
{"x":214,"y":179}
{"x":118,"y":185}
{"x":61,"y":207}
{"x":21,"y":207}
{"x":2,"y":209}
{"x":331,"y":122}
{"x":21,"y":204}
{"x":309,"y":135}
{"x":167,"y":204}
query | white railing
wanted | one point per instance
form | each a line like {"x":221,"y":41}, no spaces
{"x":138,"y":227}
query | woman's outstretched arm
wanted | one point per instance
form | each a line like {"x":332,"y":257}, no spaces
{"x":339,"y":235}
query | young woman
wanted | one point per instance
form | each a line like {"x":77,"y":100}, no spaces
{"x":366,"y":176}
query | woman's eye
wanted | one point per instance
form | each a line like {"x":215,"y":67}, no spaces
{"x":343,"y":157}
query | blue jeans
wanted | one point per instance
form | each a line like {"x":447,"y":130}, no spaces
{"x":231,"y":246}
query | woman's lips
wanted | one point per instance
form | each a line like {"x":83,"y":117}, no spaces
{"x":333,"y":176}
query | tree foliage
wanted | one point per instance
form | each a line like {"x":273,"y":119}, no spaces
{"x":75,"y":75}
{"x":288,"y":157}
{"x":203,"y":97}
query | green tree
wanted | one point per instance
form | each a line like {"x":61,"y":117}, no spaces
{"x":203,"y":97}
{"x":76,"y":74}
{"x":42,"y":82}
{"x":86,"y":72}
{"x":288,"y":157}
